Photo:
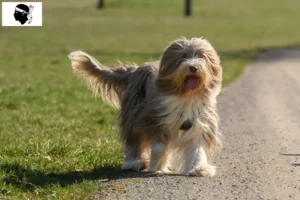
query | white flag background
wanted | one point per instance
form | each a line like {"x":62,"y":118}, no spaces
{"x":8,"y":10}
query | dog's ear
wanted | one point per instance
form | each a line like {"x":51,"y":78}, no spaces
{"x":215,"y":69}
{"x":212,"y":59}
{"x":169,"y":62}
{"x":172,"y":57}
{"x":217,"y":76}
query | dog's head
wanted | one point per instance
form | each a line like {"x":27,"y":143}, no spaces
{"x":190,"y":67}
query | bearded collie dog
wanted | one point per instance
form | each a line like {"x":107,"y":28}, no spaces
{"x":168,"y":116}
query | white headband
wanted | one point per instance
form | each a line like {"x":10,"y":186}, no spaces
{"x":20,"y":10}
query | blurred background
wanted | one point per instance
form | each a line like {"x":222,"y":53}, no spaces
{"x":51,"y":124}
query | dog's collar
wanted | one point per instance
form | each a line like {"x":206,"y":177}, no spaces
{"x":186,"y":125}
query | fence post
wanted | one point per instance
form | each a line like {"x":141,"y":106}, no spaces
{"x":188,"y":7}
{"x":101,"y":4}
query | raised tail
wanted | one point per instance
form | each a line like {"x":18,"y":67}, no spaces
{"x":110,"y":83}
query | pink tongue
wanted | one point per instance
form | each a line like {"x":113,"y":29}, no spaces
{"x":192,"y":83}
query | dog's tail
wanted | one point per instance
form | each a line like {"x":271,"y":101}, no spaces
{"x":110,"y":83}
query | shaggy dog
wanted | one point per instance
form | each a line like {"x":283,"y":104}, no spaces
{"x":167,"y":108}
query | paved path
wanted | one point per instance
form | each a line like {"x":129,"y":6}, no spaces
{"x":260,"y":120}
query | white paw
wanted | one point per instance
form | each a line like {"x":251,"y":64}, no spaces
{"x":206,"y":170}
{"x":164,"y":170}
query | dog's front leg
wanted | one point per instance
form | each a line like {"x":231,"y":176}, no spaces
{"x":196,"y":162}
{"x":159,"y":157}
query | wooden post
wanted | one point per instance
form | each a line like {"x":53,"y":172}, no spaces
{"x":188,"y":8}
{"x":101,"y":4}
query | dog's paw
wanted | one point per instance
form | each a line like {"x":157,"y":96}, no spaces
{"x":135,"y":165}
{"x":164,"y":170}
{"x":144,"y":166}
{"x":206,"y":171}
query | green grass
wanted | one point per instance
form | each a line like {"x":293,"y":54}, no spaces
{"x":45,"y":112}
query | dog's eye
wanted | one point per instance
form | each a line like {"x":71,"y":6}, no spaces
{"x":186,"y":125}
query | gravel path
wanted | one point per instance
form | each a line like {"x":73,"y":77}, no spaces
{"x":260,"y":121}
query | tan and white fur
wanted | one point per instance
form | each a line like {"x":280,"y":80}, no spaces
{"x":168,"y":117}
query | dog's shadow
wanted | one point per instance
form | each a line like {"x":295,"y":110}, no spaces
{"x":28,"y":180}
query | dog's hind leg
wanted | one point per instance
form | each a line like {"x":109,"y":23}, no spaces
{"x":136,"y":157}
{"x":131,"y":158}
{"x":145,"y":151}
{"x":159,"y":157}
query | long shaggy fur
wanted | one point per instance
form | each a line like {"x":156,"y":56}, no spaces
{"x":110,"y":83}
{"x":157,"y":99}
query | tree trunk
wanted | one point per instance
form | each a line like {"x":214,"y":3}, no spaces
{"x":188,"y":7}
{"x":100,"y":4}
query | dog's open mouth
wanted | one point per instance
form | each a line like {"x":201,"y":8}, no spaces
{"x":192,"y":82}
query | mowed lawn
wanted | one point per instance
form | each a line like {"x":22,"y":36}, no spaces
{"x":56,"y":139}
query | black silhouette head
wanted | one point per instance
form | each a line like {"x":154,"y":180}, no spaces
{"x":21,"y":12}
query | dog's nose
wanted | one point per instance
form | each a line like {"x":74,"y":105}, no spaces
{"x":193,"y":69}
